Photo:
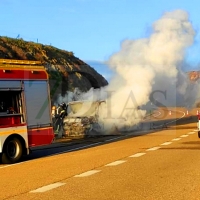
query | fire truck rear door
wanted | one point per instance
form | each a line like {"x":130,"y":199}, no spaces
{"x":37,"y":103}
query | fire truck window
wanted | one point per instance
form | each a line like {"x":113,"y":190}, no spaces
{"x":10,"y":101}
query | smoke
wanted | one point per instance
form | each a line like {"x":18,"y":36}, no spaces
{"x":149,"y":66}
{"x":154,"y":64}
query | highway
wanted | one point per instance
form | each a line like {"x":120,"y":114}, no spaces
{"x":160,"y":160}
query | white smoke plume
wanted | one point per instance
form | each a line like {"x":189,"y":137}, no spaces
{"x":148,"y":65}
{"x":153,"y":64}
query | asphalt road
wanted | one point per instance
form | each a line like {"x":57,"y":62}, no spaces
{"x":159,"y":160}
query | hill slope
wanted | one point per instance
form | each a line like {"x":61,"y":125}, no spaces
{"x":66,"y":71}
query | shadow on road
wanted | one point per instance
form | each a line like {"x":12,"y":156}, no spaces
{"x":70,"y":144}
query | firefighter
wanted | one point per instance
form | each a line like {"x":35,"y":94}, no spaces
{"x":61,"y":112}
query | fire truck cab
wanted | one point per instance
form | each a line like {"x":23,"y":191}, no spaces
{"x":25,"y":110}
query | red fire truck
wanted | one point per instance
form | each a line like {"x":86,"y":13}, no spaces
{"x":25,"y":108}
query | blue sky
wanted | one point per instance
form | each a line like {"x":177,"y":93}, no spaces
{"x":92,"y":29}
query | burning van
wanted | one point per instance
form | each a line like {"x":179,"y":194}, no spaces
{"x":83,"y":118}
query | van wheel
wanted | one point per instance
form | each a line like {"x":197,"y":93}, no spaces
{"x":12,"y":151}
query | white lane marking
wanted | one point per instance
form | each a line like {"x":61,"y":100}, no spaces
{"x":5,"y":166}
{"x":116,"y":163}
{"x":113,"y":139}
{"x":79,"y":148}
{"x":137,"y":155}
{"x":166,"y":143}
{"x":153,"y":149}
{"x":176,"y":139}
{"x":153,"y":114}
{"x":88,"y":173}
{"x":184,"y":136}
{"x":173,"y":120}
{"x":47,"y":187}
{"x":159,"y":113}
{"x":13,"y":164}
{"x":8,"y":165}
{"x":190,"y":133}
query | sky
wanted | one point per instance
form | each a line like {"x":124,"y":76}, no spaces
{"x":92,"y":29}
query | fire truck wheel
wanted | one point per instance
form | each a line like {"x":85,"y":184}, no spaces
{"x":12,"y":151}
{"x":199,"y":134}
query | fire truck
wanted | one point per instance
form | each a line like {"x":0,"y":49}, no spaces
{"x":25,"y":108}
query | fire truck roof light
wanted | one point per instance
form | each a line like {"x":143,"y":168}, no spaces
{"x":25,"y":62}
